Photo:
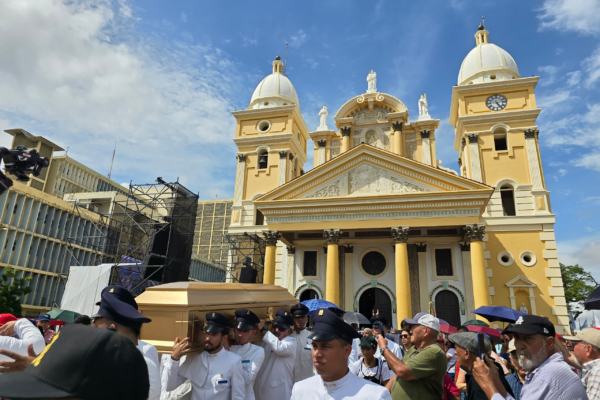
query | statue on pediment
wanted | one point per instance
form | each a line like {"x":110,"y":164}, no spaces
{"x":323,"y":119}
{"x":372,"y":82}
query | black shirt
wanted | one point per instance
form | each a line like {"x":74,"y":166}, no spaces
{"x":474,"y":391}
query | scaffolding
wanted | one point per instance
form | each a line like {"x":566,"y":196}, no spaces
{"x":246,"y":258}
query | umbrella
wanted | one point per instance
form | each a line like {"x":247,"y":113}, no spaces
{"x":475,"y":322}
{"x":64,"y":315}
{"x":448,"y":329}
{"x":495,"y":334}
{"x":315,"y":304}
{"x":352,"y":317}
{"x":498,"y":313}
{"x":593,"y":300}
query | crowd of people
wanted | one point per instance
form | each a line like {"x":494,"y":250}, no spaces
{"x":102,"y":357}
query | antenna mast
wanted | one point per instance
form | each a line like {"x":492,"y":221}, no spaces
{"x":285,"y":63}
{"x":112,"y":161}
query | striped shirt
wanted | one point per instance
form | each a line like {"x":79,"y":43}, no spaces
{"x":515,"y":384}
{"x":552,"y":380}
{"x":591,"y":379}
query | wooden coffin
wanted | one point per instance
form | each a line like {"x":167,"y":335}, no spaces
{"x":179,"y":309}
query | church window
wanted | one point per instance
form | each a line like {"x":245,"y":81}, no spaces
{"x":264,"y":126}
{"x":500,"y":142}
{"x":263,"y":160}
{"x":260,"y":218}
{"x":309,"y":267}
{"x":508,"y":201}
{"x":443,"y":262}
{"x":373,"y":263}
{"x":493,"y":76}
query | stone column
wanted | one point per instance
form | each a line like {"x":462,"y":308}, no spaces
{"x":332,"y":277}
{"x":349,"y":265}
{"x":481,"y":290}
{"x":403,"y":304}
{"x":474,"y":157}
{"x":423,"y":288}
{"x":346,"y":138}
{"x":290,"y":167}
{"x":426,"y":147}
{"x":398,"y":143}
{"x":322,"y":144}
{"x":533,"y":159}
{"x":290,"y":267}
{"x":239,"y":180}
{"x":465,"y":251}
{"x":271,"y":237}
{"x":283,"y":155}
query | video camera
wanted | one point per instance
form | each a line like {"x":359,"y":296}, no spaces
{"x":20,"y":162}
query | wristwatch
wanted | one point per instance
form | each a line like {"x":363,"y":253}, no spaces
{"x":263,"y":329}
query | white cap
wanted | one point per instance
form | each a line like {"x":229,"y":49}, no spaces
{"x":425,"y":319}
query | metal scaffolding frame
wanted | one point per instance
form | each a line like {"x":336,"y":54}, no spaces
{"x":245,"y":250}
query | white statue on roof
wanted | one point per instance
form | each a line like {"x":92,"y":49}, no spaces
{"x":372,"y":82}
{"x":423,"y":108}
{"x":323,"y":116}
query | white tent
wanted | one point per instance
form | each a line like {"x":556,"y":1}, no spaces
{"x":84,"y":287}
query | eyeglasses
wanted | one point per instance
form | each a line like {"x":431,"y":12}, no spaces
{"x":403,"y":336}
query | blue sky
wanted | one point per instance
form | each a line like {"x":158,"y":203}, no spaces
{"x":160,"y":79}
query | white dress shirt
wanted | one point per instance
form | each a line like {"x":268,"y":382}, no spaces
{"x":153,"y":370}
{"x":26,"y":333}
{"x":149,"y":351}
{"x":350,"y":387}
{"x":357,"y":352}
{"x":276,"y":376}
{"x":252,"y":359}
{"x":216,"y":376}
{"x":303,"y":368}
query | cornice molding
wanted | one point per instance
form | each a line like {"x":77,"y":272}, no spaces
{"x":271,"y":140}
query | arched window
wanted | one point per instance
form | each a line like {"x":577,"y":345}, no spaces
{"x":508,"y":201}
{"x":263,"y":159}
{"x":309,"y":294}
{"x":500,"y":142}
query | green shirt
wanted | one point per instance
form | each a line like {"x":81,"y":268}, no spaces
{"x":429,"y":367}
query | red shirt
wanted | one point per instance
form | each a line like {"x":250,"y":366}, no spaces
{"x":450,"y":388}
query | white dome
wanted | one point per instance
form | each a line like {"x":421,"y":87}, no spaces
{"x":275,"y":90}
{"x":487,"y":63}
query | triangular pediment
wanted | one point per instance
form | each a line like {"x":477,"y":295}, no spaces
{"x":520,"y":281}
{"x":369,"y":171}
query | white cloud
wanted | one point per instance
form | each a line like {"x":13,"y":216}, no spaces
{"x":592,"y":67}
{"x":80,"y":76}
{"x":298,"y":39}
{"x":582,"y":16}
{"x":548,"y":74}
{"x":562,"y":172}
{"x":183,"y":17}
{"x":583,"y":251}
{"x":554,"y":99}
{"x":573,"y":78}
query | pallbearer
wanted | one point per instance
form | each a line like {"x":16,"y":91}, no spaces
{"x":332,"y":343}
{"x":304,"y":365}
{"x":252,"y":355}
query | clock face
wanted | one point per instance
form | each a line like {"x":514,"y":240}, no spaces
{"x":496,"y":102}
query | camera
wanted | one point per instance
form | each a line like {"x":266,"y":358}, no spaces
{"x":20,"y":162}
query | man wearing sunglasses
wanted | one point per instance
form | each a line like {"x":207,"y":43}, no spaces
{"x":276,"y":376}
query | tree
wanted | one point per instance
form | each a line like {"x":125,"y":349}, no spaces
{"x":578,"y":284}
{"x":11,"y":290}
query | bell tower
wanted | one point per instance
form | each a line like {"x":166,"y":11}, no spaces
{"x":271,"y":137}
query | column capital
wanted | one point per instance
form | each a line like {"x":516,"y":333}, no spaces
{"x":463,"y":142}
{"x":291,"y":249}
{"x":271,"y":237}
{"x":346,"y":130}
{"x":283,"y":154}
{"x":291,"y":156}
{"x":322,"y":143}
{"x":529,"y":133}
{"x":425,"y":134}
{"x":465,"y":247}
{"x":473,"y":137}
{"x":348,"y":249}
{"x":241,"y":157}
{"x":397,"y":126}
{"x":459,"y":162}
{"x":400,"y":234}
{"x":475,"y":232}
{"x":421,"y":248}
{"x":332,"y":235}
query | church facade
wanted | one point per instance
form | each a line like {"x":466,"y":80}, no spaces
{"x":378,"y":223}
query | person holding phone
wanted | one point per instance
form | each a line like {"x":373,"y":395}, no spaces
{"x":470,"y":346}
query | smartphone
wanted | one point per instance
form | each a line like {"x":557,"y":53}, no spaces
{"x":481,"y":342}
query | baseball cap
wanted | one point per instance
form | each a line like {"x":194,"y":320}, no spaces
{"x":44,"y":317}
{"x":82,"y":362}
{"x":468,"y":340}
{"x":4,"y":318}
{"x":589,"y":335}
{"x":425,"y":319}
{"x":532,"y":325}
{"x":328,"y":326}
{"x":368,"y":341}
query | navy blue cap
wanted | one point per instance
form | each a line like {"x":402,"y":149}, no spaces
{"x":283,"y":319}
{"x":532,"y":325}
{"x":328,"y":326}
{"x":337,"y":311}
{"x":299,"y":310}
{"x":44,"y":317}
{"x":120,"y":293}
{"x":245,"y":320}
{"x":377,"y":318}
{"x":217,"y":322}
{"x":122,"y":313}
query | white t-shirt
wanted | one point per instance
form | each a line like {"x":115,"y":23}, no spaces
{"x":380,"y":370}
{"x":452,"y":360}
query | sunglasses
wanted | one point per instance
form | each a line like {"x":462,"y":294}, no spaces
{"x":280,"y":329}
{"x":403,"y":336}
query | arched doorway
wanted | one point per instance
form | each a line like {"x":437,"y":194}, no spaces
{"x":375,"y":299}
{"x":447,"y":307}
{"x":308,"y":294}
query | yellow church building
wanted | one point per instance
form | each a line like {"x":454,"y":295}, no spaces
{"x":378,"y":223}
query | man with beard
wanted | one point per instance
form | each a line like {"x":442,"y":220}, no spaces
{"x":304,"y":366}
{"x":331,"y":346}
{"x":252,"y":355}
{"x":216,"y":373}
{"x":276,"y":376}
{"x":585,"y":357}
{"x":548,"y":377}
